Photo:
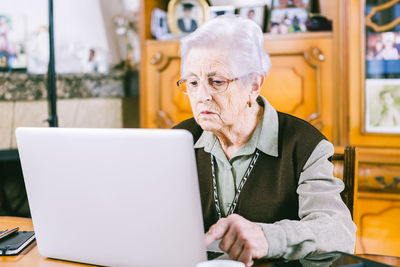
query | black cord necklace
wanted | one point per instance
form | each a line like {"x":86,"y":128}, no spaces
{"x":242,"y":182}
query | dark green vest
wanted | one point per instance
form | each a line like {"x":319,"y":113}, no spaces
{"x":269,"y":195}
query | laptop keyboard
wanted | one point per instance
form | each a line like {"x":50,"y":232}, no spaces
{"x":213,"y":254}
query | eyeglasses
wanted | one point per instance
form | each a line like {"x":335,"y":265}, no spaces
{"x":216,"y":84}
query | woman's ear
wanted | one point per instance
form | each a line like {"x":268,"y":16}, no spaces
{"x":257,"y":82}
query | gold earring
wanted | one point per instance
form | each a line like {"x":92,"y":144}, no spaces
{"x":249,"y":102}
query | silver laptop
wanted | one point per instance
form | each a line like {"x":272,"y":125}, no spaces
{"x":116,"y":197}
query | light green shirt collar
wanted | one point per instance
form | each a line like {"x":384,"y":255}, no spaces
{"x":264,"y":138}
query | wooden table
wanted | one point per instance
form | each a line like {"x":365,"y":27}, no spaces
{"x":30,"y":256}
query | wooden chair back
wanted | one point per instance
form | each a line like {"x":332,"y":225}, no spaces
{"x":346,"y":167}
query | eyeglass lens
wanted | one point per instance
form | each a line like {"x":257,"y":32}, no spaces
{"x":216,"y":84}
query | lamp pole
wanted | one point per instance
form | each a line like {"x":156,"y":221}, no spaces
{"x":51,"y":74}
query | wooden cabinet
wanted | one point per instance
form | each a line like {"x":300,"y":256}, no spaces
{"x":356,"y":93}
{"x":299,"y":82}
{"x":316,"y":76}
{"x":379,"y":154}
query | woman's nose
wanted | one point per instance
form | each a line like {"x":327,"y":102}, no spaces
{"x":203,"y":92}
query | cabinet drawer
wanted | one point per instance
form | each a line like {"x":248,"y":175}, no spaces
{"x":379,"y":177}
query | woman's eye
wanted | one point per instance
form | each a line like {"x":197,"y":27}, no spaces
{"x":218,"y":82}
{"x":193,"y":83}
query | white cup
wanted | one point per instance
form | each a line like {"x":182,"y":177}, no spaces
{"x":220,"y":263}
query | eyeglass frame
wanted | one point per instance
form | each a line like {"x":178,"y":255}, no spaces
{"x":211,"y":92}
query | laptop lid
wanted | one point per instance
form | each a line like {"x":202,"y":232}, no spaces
{"x":120,"y":197}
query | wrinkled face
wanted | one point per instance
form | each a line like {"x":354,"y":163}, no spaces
{"x":387,"y":99}
{"x":187,"y":13}
{"x":215,"y":111}
{"x":389,"y":43}
{"x":378,"y":46}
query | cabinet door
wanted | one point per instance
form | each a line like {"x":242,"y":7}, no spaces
{"x":378,"y":224}
{"x":162,"y":104}
{"x":300,"y":79}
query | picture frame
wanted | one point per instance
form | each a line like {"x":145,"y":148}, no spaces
{"x":216,"y":11}
{"x":159,"y":24}
{"x":383,"y":55}
{"x":288,"y":16}
{"x":279,"y":4}
{"x":12,"y":43}
{"x":256,"y":13}
{"x":382,"y":106}
{"x":185,"y":16}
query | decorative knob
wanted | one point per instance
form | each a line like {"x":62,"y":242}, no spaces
{"x":396,"y":180}
{"x":317,"y":54}
{"x":157,"y":57}
{"x":162,"y":120}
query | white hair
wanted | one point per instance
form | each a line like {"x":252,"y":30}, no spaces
{"x":241,"y":35}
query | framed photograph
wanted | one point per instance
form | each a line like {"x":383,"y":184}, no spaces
{"x":216,"y":11}
{"x":384,"y":45}
{"x":288,"y":16}
{"x":184,"y":16}
{"x":256,"y":13}
{"x":383,"y":55}
{"x":382,"y":106}
{"x":291,"y":4}
{"x":159,"y":25}
{"x":12,"y":43}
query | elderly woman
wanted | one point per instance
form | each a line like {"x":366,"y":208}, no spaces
{"x":266,"y":182}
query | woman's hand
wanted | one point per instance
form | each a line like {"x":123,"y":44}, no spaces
{"x":243,"y":240}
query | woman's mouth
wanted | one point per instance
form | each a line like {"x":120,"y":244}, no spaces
{"x":207,"y":112}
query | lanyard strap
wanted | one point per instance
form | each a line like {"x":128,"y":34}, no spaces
{"x":241,"y":184}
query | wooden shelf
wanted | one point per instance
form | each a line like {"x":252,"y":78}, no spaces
{"x":299,"y":35}
{"x":267,"y":36}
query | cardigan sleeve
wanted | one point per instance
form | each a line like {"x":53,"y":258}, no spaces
{"x":325,"y":222}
